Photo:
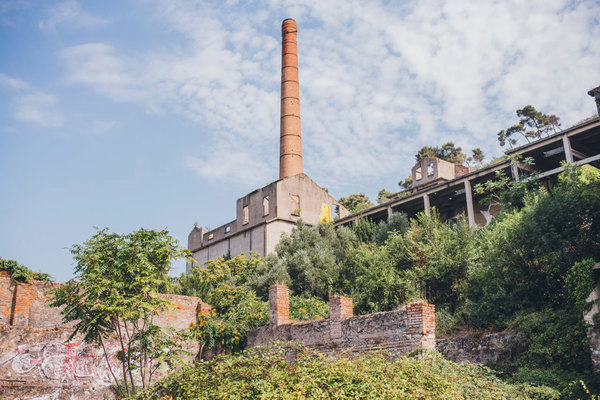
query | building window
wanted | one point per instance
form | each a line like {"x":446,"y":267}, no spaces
{"x":430,"y":169}
{"x":265,"y":206}
{"x":210,"y":236}
{"x":227,"y":229}
{"x":418,"y":173}
{"x":246,"y":216}
{"x":295,"y":204}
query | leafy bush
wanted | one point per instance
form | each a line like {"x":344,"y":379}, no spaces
{"x":266,"y":374}
{"x":21,"y":273}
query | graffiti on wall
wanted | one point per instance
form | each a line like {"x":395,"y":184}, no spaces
{"x":64,"y":362}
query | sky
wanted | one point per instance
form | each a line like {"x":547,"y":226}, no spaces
{"x":160,"y":114}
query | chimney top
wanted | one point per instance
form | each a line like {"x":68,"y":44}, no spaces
{"x":290,"y":137}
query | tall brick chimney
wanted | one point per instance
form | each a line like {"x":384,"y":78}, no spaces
{"x":290,"y":145}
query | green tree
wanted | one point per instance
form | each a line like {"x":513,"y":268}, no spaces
{"x":532,"y":125}
{"x":448,"y":151}
{"x":476,"y":156}
{"x":114,"y":294}
{"x":309,"y":260}
{"x":384,"y":196}
{"x":406,"y":183}
{"x":356,"y":202}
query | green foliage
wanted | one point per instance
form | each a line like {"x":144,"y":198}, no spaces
{"x":307,"y":308}
{"x":356,"y":202}
{"x":369,"y":277}
{"x":384,"y":196}
{"x":398,"y":223}
{"x":21,"y":273}
{"x":266,"y":374}
{"x":556,"y":346}
{"x":448,"y":151}
{"x":406,"y":183}
{"x":235,"y":307}
{"x":532,"y":124}
{"x":436,"y":256}
{"x":115,"y":295}
{"x":503,"y":190}
{"x":476,"y":156}
{"x":364,"y":230}
{"x":309,"y":260}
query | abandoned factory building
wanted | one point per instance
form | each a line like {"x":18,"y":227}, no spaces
{"x":265,"y":214}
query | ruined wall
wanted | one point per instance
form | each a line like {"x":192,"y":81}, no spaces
{"x":398,"y":331}
{"x":482,"y":348}
{"x":38,"y":361}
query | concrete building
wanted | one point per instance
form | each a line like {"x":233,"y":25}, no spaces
{"x":263,"y":215}
{"x":449,"y":187}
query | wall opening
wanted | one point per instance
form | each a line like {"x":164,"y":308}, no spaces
{"x":265,"y":206}
{"x":418,"y":173}
{"x":246,"y":215}
{"x":430,"y":169}
{"x":295,"y":204}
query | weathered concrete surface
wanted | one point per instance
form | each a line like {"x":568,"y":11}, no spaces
{"x":483,"y":348}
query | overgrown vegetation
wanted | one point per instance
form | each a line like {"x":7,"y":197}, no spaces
{"x":21,"y":273}
{"x":529,"y":270}
{"x":265,"y":374}
{"x":114,"y":295}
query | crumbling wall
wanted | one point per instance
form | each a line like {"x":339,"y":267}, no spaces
{"x":399,"y":331}
{"x":482,"y":348}
{"x":38,"y":361}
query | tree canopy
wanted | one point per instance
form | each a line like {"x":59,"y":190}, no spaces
{"x":356,"y":202}
{"x":114,"y":294}
{"x":533,"y":124}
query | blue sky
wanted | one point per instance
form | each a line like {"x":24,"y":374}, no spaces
{"x":158,"y":114}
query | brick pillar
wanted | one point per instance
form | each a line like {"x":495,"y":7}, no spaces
{"x":340,"y":307}
{"x":421,"y":321}
{"x":279,"y":305}
{"x":203,"y":309}
{"x":23,"y":296}
{"x":6,"y":297}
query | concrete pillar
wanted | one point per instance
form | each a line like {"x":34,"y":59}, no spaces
{"x":426,"y":204}
{"x":470,"y":210}
{"x":568,"y":150}
{"x":514,"y":169}
{"x":290,"y":150}
{"x":279,"y":305}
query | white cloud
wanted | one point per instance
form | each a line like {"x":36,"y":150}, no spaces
{"x":12,"y":83}
{"x":38,"y":108}
{"x":69,"y":12}
{"x":31,"y":105}
{"x":378,"y":80}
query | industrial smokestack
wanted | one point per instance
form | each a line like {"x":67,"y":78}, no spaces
{"x":290,"y":146}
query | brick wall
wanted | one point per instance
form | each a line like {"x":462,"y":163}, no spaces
{"x":26,"y":305}
{"x":38,"y":361}
{"x":398,"y":331}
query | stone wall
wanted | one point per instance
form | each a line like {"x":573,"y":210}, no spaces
{"x":399,"y":331}
{"x":38,"y":361}
{"x":482,"y":348}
